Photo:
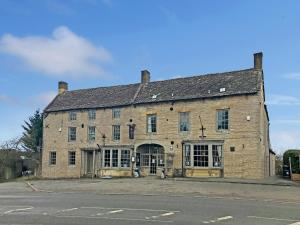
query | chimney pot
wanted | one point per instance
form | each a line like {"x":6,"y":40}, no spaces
{"x":145,"y":76}
{"x":258,"y":60}
{"x":62,"y":87}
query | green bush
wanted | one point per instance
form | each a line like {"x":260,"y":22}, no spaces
{"x":294,"y":155}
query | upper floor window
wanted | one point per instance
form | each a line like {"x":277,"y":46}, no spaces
{"x":91,"y":133}
{"x":72,"y":158}
{"x":151,"y":123}
{"x":72,"y":115}
{"x":116,"y":113}
{"x":92,"y":114}
{"x":223,"y":119}
{"x":72,"y":134}
{"x":184,"y":121}
{"x":52,"y":158}
{"x":116,"y":132}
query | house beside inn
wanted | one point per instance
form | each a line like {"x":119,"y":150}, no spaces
{"x":213,"y":125}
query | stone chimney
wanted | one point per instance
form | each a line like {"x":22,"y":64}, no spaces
{"x":258,"y":57}
{"x":145,"y":76}
{"x":62,"y":87}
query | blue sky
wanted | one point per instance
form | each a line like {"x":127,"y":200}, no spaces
{"x":91,"y":43}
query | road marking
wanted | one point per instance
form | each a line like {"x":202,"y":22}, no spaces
{"x":17,"y":210}
{"x":115,"y":211}
{"x":224,"y":218}
{"x":149,"y":210}
{"x":297,"y":223}
{"x":218,"y":219}
{"x":68,"y":210}
{"x":272,"y":218}
{"x":167,"y":214}
{"x":116,"y":218}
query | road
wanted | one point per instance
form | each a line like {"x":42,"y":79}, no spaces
{"x":28,"y":207}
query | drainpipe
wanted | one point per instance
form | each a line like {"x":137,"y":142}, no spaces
{"x":94,"y":153}
{"x":183,"y":175}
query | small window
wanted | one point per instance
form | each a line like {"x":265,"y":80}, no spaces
{"x":106,"y":158}
{"x":184,"y":121}
{"x":92,"y":114}
{"x":125,"y":158}
{"x":201,"y":155}
{"x":72,"y":134}
{"x":116,"y":132}
{"x":91,"y":133}
{"x":116,"y":113}
{"x":72,"y":158}
{"x":115,"y":158}
{"x":223,"y":119}
{"x":52,"y":158}
{"x":72,"y":116}
{"x":151,"y":123}
{"x":187,"y":155}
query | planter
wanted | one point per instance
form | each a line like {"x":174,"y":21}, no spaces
{"x":295,"y":177}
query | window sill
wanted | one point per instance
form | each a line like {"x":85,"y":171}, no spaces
{"x":223,"y":131}
{"x":203,"y":168}
{"x":115,"y":168}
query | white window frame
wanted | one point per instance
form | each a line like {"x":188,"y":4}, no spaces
{"x":182,"y":122}
{"x":116,"y":132}
{"x":210,"y":155}
{"x":70,"y":135}
{"x":222,"y":120}
{"x":72,"y":115}
{"x":116,"y":113}
{"x":108,"y":163}
{"x":92,"y":114}
{"x":52,"y":158}
{"x":71,"y":159}
{"x":150,"y":124}
{"x":91,"y":135}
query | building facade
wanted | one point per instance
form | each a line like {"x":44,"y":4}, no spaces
{"x":213,"y":125}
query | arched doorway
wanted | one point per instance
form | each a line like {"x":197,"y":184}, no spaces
{"x":150,"y":158}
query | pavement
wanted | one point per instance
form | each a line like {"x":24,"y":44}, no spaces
{"x":88,"y":201}
{"x":170,"y":187}
{"x":274,"y":180}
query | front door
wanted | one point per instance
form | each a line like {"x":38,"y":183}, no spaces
{"x":153,"y":164}
{"x":89,"y":162}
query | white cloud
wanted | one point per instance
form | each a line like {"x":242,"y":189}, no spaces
{"x":7,"y":99}
{"x":283,"y":140}
{"x":292,"y":76}
{"x":64,"y":54}
{"x":40,"y":100}
{"x":283,"y":100}
{"x":295,"y":122}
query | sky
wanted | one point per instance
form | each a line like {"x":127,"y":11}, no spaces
{"x":92,"y":43}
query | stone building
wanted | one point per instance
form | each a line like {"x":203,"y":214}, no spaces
{"x":213,"y":125}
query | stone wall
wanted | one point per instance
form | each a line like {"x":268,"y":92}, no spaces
{"x":246,"y":134}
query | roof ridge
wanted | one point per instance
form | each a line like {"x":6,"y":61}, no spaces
{"x":206,"y":75}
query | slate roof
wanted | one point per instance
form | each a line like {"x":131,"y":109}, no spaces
{"x":196,"y":87}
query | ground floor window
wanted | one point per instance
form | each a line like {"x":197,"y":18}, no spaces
{"x":52,"y":158}
{"x":114,"y":158}
{"x":72,"y":158}
{"x":205,"y":155}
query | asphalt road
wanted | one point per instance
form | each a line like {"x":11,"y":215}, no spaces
{"x":91,"y":208}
